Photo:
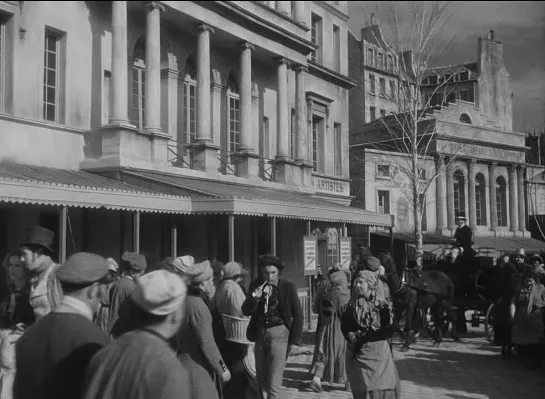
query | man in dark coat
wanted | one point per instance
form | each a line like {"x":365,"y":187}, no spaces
{"x":463,"y":237}
{"x":276,"y":324}
{"x":52,"y":355}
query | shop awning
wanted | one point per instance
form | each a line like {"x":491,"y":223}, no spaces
{"x":25,"y":184}
{"x":213,"y":197}
{"x":498,"y":246}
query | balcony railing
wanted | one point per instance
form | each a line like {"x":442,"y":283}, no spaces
{"x":180,"y":154}
{"x":266,"y":169}
{"x":228,"y":163}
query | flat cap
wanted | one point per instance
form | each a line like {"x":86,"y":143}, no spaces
{"x":135,"y":260}
{"x":372,"y":263}
{"x":83,"y":268}
{"x":159,"y":292}
{"x":233,"y":269}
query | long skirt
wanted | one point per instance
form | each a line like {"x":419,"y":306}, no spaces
{"x":372,"y":372}
{"x":329,"y":360}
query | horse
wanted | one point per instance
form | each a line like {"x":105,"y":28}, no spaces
{"x":409,"y":294}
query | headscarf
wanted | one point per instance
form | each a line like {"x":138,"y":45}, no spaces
{"x":536,"y":297}
{"x":369,"y":310}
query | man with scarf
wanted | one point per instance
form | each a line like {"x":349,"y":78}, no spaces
{"x":197,"y":349}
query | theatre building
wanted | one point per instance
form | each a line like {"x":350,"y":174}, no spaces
{"x":214,"y":129}
{"x":478,"y":158}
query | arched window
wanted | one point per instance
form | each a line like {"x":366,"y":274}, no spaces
{"x":480,"y":199}
{"x":459,"y":193}
{"x":464,"y":118}
{"x":190,"y":100}
{"x":332,"y":247}
{"x":501,"y":201}
{"x":138,"y":92}
{"x":390,"y":63}
{"x":233,"y":105}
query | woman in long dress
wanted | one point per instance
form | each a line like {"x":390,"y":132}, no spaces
{"x":367,"y":325}
{"x":328,"y":363}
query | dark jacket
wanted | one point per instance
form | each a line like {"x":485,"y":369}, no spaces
{"x":289,"y":305}
{"x":464,"y":236}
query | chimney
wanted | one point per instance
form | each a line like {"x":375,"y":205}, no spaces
{"x":491,"y":35}
{"x":373,"y":19}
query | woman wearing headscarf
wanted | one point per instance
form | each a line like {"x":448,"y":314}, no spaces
{"x":197,"y":349}
{"x":102,"y":318}
{"x":367,"y":325}
{"x":527,"y":314}
{"x":328,"y":363}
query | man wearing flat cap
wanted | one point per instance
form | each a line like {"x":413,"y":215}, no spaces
{"x":134,"y":266}
{"x":52,"y":354}
{"x":141,"y":363}
{"x":197,"y":348}
{"x":36,"y":252}
{"x":276,"y":324}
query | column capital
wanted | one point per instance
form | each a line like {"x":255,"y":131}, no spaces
{"x":300,"y":68}
{"x":282,"y":60}
{"x":492,"y":164}
{"x":471,"y":162}
{"x":155,"y":5}
{"x":512,"y":168}
{"x":521,"y":168}
{"x":202,"y":27}
{"x":247,"y":46}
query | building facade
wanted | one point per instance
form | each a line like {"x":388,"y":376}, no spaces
{"x":473,"y":161}
{"x":215,"y":129}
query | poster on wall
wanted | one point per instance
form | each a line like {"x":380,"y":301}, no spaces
{"x":310,"y":248}
{"x":346,"y":252}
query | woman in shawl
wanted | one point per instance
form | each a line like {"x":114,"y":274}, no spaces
{"x":328,"y":363}
{"x":367,"y":325}
{"x":102,"y":319}
{"x":527,"y":314}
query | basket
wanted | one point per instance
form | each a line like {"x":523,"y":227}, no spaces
{"x":235,"y":329}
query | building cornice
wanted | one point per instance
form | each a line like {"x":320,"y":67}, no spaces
{"x":328,"y":7}
{"x":281,"y":15}
{"x":330,"y":75}
{"x":259,"y":25}
{"x":485,"y":143}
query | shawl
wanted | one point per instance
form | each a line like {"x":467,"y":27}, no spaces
{"x":536,"y":298}
{"x":375,"y":311}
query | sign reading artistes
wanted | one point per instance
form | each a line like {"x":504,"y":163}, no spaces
{"x":331,"y":186}
{"x":346,"y":252}
{"x":310,"y":255}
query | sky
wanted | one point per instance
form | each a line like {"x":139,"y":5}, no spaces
{"x":520,"y":26}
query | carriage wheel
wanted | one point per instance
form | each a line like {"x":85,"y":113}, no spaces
{"x":489,"y":323}
{"x":434,"y":323}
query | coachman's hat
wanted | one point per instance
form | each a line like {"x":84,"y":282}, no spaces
{"x":461,"y":216}
{"x":37,"y":235}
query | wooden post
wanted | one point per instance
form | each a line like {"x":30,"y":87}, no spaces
{"x":63,"y":216}
{"x":308,"y":228}
{"x":273,"y":235}
{"x":369,"y":237}
{"x":136,"y":232}
{"x":310,"y":296}
{"x":174,"y":240}
{"x":392,"y":234}
{"x":345,"y":230}
{"x":231,"y":238}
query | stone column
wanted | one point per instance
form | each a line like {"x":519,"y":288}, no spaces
{"x":153,"y":68}
{"x":440,"y":205}
{"x":282,"y":124}
{"x":521,"y":197}
{"x":471,"y":191}
{"x":301,"y":114}
{"x":450,"y":197}
{"x":299,"y":12}
{"x":492,"y":194}
{"x":203,"y":83}
{"x":120,"y":79}
{"x":284,"y":7}
{"x":513,"y":209}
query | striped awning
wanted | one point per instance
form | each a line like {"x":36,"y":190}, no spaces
{"x":27,"y":184}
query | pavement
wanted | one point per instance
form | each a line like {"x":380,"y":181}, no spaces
{"x":472,"y":369}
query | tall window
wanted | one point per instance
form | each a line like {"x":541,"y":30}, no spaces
{"x":332,"y":247}
{"x":383,"y":204}
{"x":293,"y":133}
{"x":106,"y":103}
{"x":337,"y":142}
{"x":316,"y":37}
{"x":336,"y":48}
{"x":317,"y":126}
{"x":380,"y":61}
{"x":382,"y":87}
{"x":373,"y":113}
{"x":459,"y":193}
{"x":233,"y":101}
{"x":393,"y":90}
{"x":382,"y":113}
{"x":467,"y":95}
{"x":51,"y":89}
{"x":501,"y":201}
{"x":389,"y":63}
{"x":190,"y":101}
{"x":266,"y":138}
{"x":480,"y":199}
{"x":372,"y":84}
{"x":3,"y":23}
{"x":138,"y":99}
{"x":370,"y":57}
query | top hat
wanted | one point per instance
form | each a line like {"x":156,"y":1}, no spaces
{"x":461,"y":216}
{"x":37,"y":235}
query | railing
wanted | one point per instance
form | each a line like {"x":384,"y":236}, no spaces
{"x":310,"y":320}
{"x":266,"y":170}
{"x":227,"y":166}
{"x":179,"y":154}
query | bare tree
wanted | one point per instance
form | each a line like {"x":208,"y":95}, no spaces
{"x":416,"y":40}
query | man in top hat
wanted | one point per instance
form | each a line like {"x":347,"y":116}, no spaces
{"x":134,"y":266}
{"x":52,"y":354}
{"x":463,"y":237}
{"x":36,"y":252}
{"x":141,"y":363}
{"x":276,"y":324}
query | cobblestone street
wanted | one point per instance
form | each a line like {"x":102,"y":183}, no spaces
{"x":469,"y":370}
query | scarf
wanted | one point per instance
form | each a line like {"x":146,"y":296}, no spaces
{"x":536,"y":297}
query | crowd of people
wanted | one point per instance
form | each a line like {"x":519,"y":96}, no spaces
{"x":92,"y":328}
{"x":519,"y":317}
